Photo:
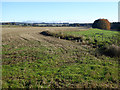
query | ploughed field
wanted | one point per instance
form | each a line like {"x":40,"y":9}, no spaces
{"x":31,"y":59}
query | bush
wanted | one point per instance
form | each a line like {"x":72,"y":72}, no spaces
{"x":112,"y":50}
{"x":46,"y":33}
{"x":101,"y":24}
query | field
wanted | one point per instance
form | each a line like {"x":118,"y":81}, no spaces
{"x":33,"y":60}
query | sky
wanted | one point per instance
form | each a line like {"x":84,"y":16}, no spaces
{"x":72,"y":12}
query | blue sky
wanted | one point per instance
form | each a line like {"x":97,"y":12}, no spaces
{"x":81,"y":12}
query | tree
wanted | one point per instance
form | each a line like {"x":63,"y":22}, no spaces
{"x":101,"y":24}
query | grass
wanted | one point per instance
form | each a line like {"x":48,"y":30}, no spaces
{"x":106,"y":41}
{"x":100,"y":35}
{"x":34,"y":65}
{"x":91,"y":34}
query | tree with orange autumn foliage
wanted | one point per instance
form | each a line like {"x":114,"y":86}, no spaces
{"x":101,"y":24}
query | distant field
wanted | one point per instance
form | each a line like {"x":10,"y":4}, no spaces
{"x":32,"y":60}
